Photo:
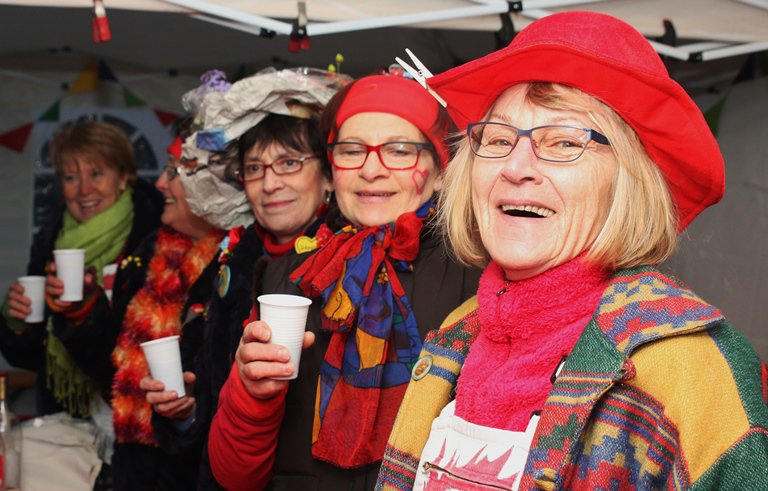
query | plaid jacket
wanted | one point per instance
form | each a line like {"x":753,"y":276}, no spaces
{"x":658,"y":393}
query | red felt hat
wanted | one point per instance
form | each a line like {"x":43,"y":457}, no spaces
{"x":401,"y":97}
{"x":611,"y":61}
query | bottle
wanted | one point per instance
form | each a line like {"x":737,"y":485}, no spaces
{"x":10,"y":456}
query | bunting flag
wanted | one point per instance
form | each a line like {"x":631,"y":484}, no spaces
{"x":105,"y":73}
{"x":165,"y":117}
{"x":87,"y":80}
{"x":52,"y":113}
{"x":131,"y":99}
{"x":16,"y":139}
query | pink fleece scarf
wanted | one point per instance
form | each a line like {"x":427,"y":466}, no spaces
{"x":526,"y":328}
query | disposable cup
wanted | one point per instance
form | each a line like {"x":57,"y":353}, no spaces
{"x":34,"y":289}
{"x":287,"y":318}
{"x":164,"y":359}
{"x":70,"y":267}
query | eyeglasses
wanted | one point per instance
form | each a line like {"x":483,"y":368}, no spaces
{"x":392,"y":155}
{"x":281,"y":167}
{"x":171,"y":171}
{"x":553,"y":143}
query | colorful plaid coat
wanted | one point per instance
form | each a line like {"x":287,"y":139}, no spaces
{"x":658,"y":393}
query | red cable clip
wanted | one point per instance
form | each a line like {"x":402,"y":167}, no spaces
{"x":100,"y":24}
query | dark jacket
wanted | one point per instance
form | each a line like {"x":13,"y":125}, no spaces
{"x":435,"y":287}
{"x":210,"y":346}
{"x":229,"y":308}
{"x":28,"y":349}
{"x":138,"y":467}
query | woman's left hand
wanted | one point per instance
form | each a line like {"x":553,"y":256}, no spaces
{"x":167,"y":403}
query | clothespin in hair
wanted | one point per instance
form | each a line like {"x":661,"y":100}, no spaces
{"x":100,"y":23}
{"x":421,"y":73}
{"x":299,"y":38}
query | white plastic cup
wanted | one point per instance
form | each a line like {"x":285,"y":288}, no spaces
{"x":164,"y":359}
{"x":287,"y":318}
{"x":70,"y":268}
{"x":34,"y":290}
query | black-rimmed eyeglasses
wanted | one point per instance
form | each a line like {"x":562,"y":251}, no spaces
{"x":552,"y":143}
{"x":392,"y":155}
{"x":171,"y":171}
{"x":253,"y":171}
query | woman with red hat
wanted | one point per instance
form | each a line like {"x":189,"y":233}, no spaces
{"x":581,"y":365}
{"x":380,"y":279}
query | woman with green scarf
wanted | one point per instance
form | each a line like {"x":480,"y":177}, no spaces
{"x":107,"y":211}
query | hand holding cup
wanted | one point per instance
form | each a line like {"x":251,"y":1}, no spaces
{"x":167,"y":403}
{"x":260,"y":362}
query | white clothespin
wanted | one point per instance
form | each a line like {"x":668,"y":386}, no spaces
{"x":421,"y":73}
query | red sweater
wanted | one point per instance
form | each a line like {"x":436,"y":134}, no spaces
{"x":243,"y":460}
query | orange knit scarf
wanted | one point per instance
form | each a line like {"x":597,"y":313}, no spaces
{"x":154,"y":312}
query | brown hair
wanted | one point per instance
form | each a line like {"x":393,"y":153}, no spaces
{"x":102,"y":143}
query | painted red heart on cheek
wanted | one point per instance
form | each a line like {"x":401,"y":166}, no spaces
{"x":420,"y":178}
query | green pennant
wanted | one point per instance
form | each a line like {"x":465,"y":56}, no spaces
{"x":712,"y":115}
{"x":52,"y":113}
{"x":762,"y":64}
{"x":131,"y":100}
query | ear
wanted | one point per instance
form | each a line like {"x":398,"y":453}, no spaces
{"x":327,"y":185}
{"x":122,"y":183}
{"x":438,"y":185}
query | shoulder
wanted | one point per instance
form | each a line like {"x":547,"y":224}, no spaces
{"x":459,"y":329}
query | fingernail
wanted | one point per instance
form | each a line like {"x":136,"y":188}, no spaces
{"x":283,"y":355}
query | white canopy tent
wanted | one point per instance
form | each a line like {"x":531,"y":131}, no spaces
{"x":45,"y":43}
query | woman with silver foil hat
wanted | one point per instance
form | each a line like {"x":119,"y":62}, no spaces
{"x":270,"y":124}
{"x":380,"y":279}
{"x":578,"y":365}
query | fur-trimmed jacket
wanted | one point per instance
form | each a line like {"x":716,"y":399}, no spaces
{"x":658,"y":393}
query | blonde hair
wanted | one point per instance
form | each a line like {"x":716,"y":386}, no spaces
{"x":641,"y":224}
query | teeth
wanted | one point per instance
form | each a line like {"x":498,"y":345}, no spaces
{"x":538,"y":210}
{"x":169,"y":201}
{"x":88,"y":204}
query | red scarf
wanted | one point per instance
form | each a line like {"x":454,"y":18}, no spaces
{"x":154,"y":312}
{"x":526,"y":328}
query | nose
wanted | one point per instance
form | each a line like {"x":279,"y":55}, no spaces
{"x":271,"y":181}
{"x":85,"y":185}
{"x":520,"y":165}
{"x":161,"y":184}
{"x":373,"y":168}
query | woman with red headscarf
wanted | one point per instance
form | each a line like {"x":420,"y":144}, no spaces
{"x":380,"y":278}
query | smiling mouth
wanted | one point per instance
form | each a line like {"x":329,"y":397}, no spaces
{"x":88,"y":204}
{"x":527,"y":211}
{"x":382,"y":194}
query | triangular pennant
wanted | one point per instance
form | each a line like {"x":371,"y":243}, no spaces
{"x":16,"y":139}
{"x":52,"y":113}
{"x":165,"y":117}
{"x":131,"y":99}
{"x":105,"y":73}
{"x":712,"y":115}
{"x":87,"y":81}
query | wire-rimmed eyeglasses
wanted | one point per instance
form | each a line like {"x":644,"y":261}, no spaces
{"x":392,"y":155}
{"x":552,"y":143}
{"x":253,"y":171}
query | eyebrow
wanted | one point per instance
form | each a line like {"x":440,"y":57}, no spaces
{"x":555,"y":121}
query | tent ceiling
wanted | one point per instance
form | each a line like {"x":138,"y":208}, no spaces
{"x":735,"y":26}
{"x":173,"y":34}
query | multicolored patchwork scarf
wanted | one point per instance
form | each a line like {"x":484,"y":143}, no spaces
{"x":374,"y":339}
{"x":154,"y":312}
